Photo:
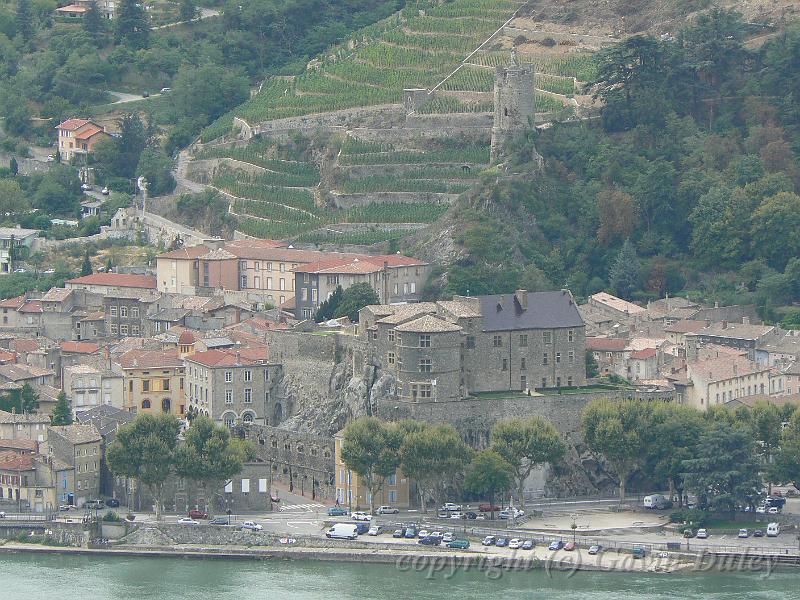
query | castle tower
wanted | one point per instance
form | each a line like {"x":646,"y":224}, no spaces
{"x":513,"y":105}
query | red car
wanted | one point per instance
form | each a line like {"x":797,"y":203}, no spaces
{"x":486,"y":507}
{"x":570,"y":546}
{"x":196,"y":513}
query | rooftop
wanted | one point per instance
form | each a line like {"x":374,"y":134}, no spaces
{"x":14,"y":303}
{"x":601,"y":344}
{"x":738,"y":331}
{"x":685,"y":326}
{"x":544,"y":310}
{"x":616,"y":303}
{"x":644,"y":354}
{"x":19,"y":372}
{"x":190,"y":253}
{"x":428,"y":324}
{"x":724,"y":368}
{"x":80,"y":347}
{"x":56,"y":295}
{"x":72,"y":124}
{"x":116,"y":279}
{"x":20,"y":444}
{"x":77,"y":433}
{"x":22,"y":418}
{"x":32,"y":306}
{"x":151,"y":359}
{"x":14,"y":461}
{"x":229,"y":358}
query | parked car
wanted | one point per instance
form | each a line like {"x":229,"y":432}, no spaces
{"x":702,"y":534}
{"x":758,"y":533}
{"x":196,"y":513}
{"x":570,"y":546}
{"x":481,"y":517}
{"x":145,"y":94}
{"x":20,"y":270}
{"x":501,"y":542}
{"x":773,"y":530}
{"x":375,"y":530}
{"x":95,"y":504}
{"x":515,"y":544}
{"x":164,"y":90}
{"x":511,"y":513}
{"x":556,"y":545}
{"x":471,"y":515}
{"x":387,"y":510}
{"x":688,"y":533}
{"x":219,"y":521}
{"x":638,"y":552}
{"x":527,"y":545}
{"x":342,"y":531}
{"x":430,"y":540}
{"x":50,"y":157}
{"x":489,"y":540}
{"x":411,"y":533}
{"x":2,"y":514}
{"x":451,"y":506}
{"x":252,"y":526}
{"x":460,"y":544}
{"x":773,"y":510}
{"x":744,"y":533}
{"x":423,"y":533}
{"x":361,"y":516}
{"x":112,"y":502}
{"x":595,"y":549}
{"x":187,"y":521}
{"x":448,"y":537}
{"x":456,"y":515}
{"x":443,"y":514}
{"x":486,"y":507}
{"x":398,"y":533}
{"x":49,"y":271}
{"x":337,"y":511}
{"x":761,"y":510}
{"x":85,"y":187}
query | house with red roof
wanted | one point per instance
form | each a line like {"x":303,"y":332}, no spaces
{"x":105,"y":283}
{"x":78,"y":137}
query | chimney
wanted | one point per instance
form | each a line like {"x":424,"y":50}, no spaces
{"x":724,"y":324}
{"x":522,"y":299}
{"x":745,"y":320}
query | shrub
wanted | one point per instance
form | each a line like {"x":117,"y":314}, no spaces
{"x":694,"y":516}
{"x":111,"y":517}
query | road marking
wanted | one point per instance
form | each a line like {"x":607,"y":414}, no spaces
{"x":300,"y":507}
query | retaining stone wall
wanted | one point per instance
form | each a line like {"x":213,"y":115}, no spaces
{"x":347,"y":201}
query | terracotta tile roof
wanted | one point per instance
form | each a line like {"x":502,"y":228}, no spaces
{"x":90,"y":131}
{"x":95,"y":316}
{"x":616,"y":303}
{"x":34,"y":306}
{"x":7,"y":356}
{"x":80,"y":347}
{"x":737,"y":331}
{"x":459,"y":309}
{"x":289,"y":304}
{"x":56,"y":295}
{"x":14,"y":461}
{"x":256,"y":243}
{"x":116,"y":279}
{"x":190,"y":253}
{"x":724,"y":367}
{"x":73,"y":8}
{"x":644,"y":354}
{"x":151,"y":359}
{"x":19,"y":444}
{"x":72,"y":124}
{"x":685,"y":326}
{"x":336,"y":265}
{"x":25,"y":345}
{"x":606,"y":344}
{"x":19,"y":372}
{"x":394,"y":260}
{"x":14,"y":303}
{"x":406,"y":312}
{"x":230,"y":358}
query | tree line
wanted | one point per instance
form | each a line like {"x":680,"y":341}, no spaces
{"x":150,"y":450}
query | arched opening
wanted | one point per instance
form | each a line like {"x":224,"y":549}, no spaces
{"x":165,"y":405}
{"x":229,"y":418}
{"x":247,"y":417}
{"x":278,"y":414}
{"x":145,"y":403}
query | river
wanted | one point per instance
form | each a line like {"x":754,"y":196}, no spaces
{"x":34,"y":577}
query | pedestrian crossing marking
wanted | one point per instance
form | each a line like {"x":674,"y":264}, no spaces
{"x":300,"y":507}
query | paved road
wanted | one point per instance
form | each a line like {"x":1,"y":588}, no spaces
{"x":124,"y":97}
{"x":205,"y":13}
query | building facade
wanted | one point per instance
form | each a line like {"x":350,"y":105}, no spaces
{"x":79,"y":446}
{"x":153,"y":381}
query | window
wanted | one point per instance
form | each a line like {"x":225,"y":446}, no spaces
{"x":282,"y":283}
{"x":558,"y":358}
{"x":523,"y":364}
{"x":266,"y":374}
{"x":505,"y":364}
{"x":390,"y":358}
{"x":303,"y":294}
{"x":248,"y":375}
{"x":425,"y":365}
{"x":135,"y":312}
{"x":569,"y":381}
{"x":258,"y":266}
{"x":523,"y":382}
{"x":544,"y":358}
{"x":425,"y":390}
{"x":470,"y":342}
{"x":135,"y":330}
{"x":570,"y":336}
{"x":123,"y":330}
{"x":248,"y":395}
{"x":114,"y":329}
{"x":243,"y":282}
{"x":497,"y":341}
{"x":547,"y":337}
{"x":165,"y":385}
{"x":424,"y":340}
{"x":314,"y":294}
{"x":257,"y":282}
{"x":391,"y":335}
{"x":145,"y":403}
{"x":523,"y":340}
{"x":243,"y":265}
{"x":123,"y":311}
{"x":112,"y":310}
{"x":558,"y":381}
{"x":392,"y":496}
{"x":283,"y":268}
{"x":228,"y":376}
{"x":145,"y":385}
{"x":228,"y":419}
{"x":571,"y":356}
{"x":247,"y":417}
{"x":269,"y":283}
{"x":333,"y":280}
{"x":392,"y":479}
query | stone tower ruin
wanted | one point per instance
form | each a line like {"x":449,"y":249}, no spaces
{"x":513,"y":105}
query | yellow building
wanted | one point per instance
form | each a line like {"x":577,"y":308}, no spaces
{"x":153,"y":381}
{"x":353,"y":493}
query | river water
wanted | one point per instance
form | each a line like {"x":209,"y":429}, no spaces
{"x":37,"y":577}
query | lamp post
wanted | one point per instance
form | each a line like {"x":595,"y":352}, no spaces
{"x":574,"y":526}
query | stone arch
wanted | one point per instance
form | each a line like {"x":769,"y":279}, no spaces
{"x":248,"y":416}
{"x":278,"y":414}
{"x":229,"y":418}
{"x":146,"y":403}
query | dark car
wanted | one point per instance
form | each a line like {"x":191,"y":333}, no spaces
{"x":527,"y":545}
{"x":196,"y":513}
{"x":556,"y":545}
{"x":398,"y":533}
{"x":145,"y":94}
{"x":337,"y":511}
{"x":410,"y":533}
{"x":443,"y":514}
{"x":430,"y":540}
{"x":758,"y":533}
{"x":219,"y":521}
{"x":501,"y":542}
{"x":471,"y":515}
{"x":112,"y":502}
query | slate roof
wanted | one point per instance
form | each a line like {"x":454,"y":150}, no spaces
{"x":428,"y":324}
{"x":77,"y":433}
{"x":545,"y":310}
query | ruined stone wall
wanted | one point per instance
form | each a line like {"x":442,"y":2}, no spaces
{"x":380,"y":115}
{"x":347,"y":201}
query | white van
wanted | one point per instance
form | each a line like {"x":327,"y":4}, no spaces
{"x":343,"y":531}
{"x":654,"y":500}
{"x":773,"y":529}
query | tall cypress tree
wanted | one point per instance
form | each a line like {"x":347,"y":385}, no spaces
{"x":93,"y":20}
{"x":131,"y":25}
{"x":624,"y":274}
{"x":86,"y":265}
{"x":62,"y":414}
{"x":24,"y":20}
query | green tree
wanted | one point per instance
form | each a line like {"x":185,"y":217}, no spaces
{"x":187,"y":10}
{"x":618,"y":431}
{"x":624,"y":274}
{"x":86,"y":265}
{"x":785,"y":467}
{"x":526,"y":444}
{"x":766,"y":421}
{"x":24,"y":20}
{"x":131,"y":25}
{"x":208,"y":90}
{"x":12,"y":197}
{"x":93,"y":20}
{"x":488,"y":474}
{"x":62,"y":413}
{"x":774,"y":225}
{"x":354,"y":299}
{"x":592,"y":369}
{"x":328,"y":307}
{"x":145,"y":450}
{"x":433,"y":456}
{"x":13,"y":166}
{"x":210,"y":456}
{"x":371,"y":449}
{"x":723,"y":472}
{"x":156,"y":167}
{"x":29,"y":399}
